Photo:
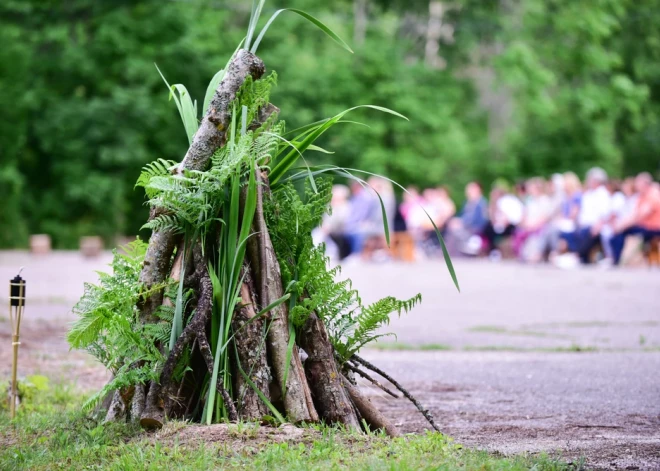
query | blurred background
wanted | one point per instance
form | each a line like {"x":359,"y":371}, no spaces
{"x":493,"y":89}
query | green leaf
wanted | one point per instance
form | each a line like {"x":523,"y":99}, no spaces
{"x":318,"y":23}
{"x":187,"y":109}
{"x":310,"y":135}
{"x":257,"y":6}
{"x":319,"y":149}
{"x":386,"y":226}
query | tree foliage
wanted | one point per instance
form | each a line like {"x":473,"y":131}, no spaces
{"x":529,"y":88}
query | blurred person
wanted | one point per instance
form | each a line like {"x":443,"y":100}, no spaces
{"x":646,"y":218}
{"x":464,"y":230}
{"x":618,"y":200}
{"x":333,"y":227}
{"x":566,"y":221}
{"x":384,"y":207}
{"x":411,"y":199}
{"x":594,"y":212}
{"x":358,"y":223}
{"x":521,"y":190}
{"x":505,"y":212}
{"x":556,"y":189}
{"x":438,"y":209}
{"x":532,"y":234}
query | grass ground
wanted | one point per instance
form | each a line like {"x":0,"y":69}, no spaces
{"x":51,"y":432}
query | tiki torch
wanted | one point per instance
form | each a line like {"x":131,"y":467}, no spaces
{"x":16,"y":306}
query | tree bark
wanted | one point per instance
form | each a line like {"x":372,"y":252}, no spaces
{"x":290,"y":374}
{"x":250,"y":357}
{"x":329,"y":395}
{"x":368,"y":412}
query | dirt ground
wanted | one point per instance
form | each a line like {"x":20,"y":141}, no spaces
{"x":525,"y":359}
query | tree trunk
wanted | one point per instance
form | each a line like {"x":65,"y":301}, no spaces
{"x":330,"y":397}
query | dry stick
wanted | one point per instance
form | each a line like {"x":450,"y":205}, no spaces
{"x":412,"y":399}
{"x":298,"y":402}
{"x":330,"y":397}
{"x":372,"y":380}
{"x":369,"y":413}
{"x":196,"y":328}
{"x":205,"y":350}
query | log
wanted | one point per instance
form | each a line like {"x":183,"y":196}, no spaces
{"x":369,"y":413}
{"x":250,"y":356}
{"x":210,"y":136}
{"x":290,"y":375}
{"x":329,"y":395}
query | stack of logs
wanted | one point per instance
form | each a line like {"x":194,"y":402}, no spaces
{"x":320,"y":389}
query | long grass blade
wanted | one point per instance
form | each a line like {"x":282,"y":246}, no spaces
{"x":386,"y":226}
{"x":257,"y":6}
{"x":187,"y":109}
{"x":311,"y":135}
{"x":346,"y":172}
{"x":316,"y":22}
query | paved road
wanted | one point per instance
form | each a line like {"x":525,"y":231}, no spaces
{"x":523,"y":359}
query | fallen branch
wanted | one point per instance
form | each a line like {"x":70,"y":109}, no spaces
{"x":372,"y":380}
{"x":427,"y":415}
{"x":369,"y":413}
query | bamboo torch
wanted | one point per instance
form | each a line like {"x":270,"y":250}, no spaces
{"x":16,"y":305}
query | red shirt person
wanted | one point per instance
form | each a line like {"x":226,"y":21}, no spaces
{"x":646,"y":221}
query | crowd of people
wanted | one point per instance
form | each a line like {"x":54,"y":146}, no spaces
{"x":559,"y":219}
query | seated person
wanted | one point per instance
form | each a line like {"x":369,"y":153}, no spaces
{"x":646,"y":219}
{"x":595,"y":209}
{"x":464,"y":231}
{"x":505,"y":213}
{"x":532,"y":234}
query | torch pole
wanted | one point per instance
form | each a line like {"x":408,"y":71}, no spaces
{"x":16,"y":304}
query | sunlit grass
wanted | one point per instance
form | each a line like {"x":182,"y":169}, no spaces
{"x":51,"y":432}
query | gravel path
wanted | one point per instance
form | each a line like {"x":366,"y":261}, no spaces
{"x":524,"y":359}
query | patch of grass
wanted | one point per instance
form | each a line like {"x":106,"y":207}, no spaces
{"x":651,"y":349}
{"x":51,"y":432}
{"x":588,"y":324}
{"x":493,"y":348}
{"x":493,"y":329}
{"x":434,"y":346}
{"x":572,"y":348}
{"x":488,"y":328}
{"x":398,"y":346}
{"x":507,"y":348}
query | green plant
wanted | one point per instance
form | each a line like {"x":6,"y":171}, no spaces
{"x":109,"y":326}
{"x":312,"y":283}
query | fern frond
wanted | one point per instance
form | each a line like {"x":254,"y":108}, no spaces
{"x":157,"y":168}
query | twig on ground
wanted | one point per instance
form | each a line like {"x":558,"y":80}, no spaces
{"x":369,"y":378}
{"x":412,"y":399}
